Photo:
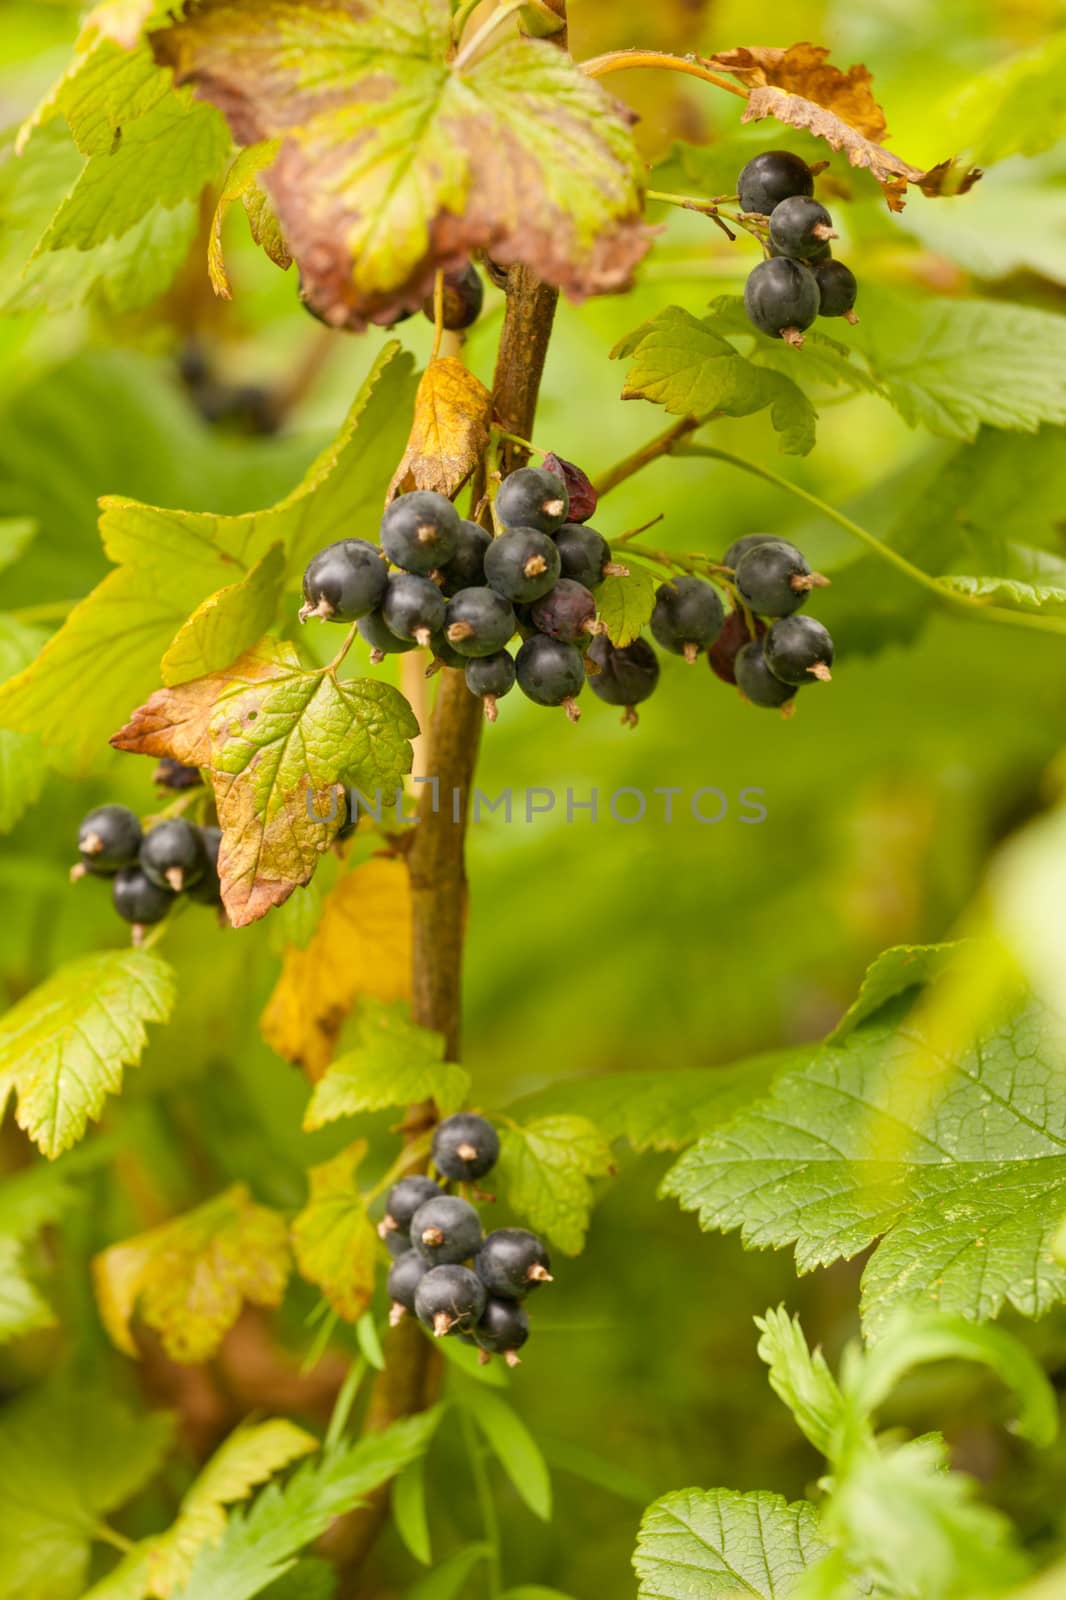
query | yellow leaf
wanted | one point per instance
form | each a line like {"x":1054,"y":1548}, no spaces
{"x":362,"y":947}
{"x":450,"y":431}
{"x":190,"y":1277}
{"x":333,"y":1239}
{"x":242,"y":183}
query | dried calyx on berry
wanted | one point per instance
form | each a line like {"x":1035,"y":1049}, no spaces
{"x":343,"y":582}
{"x":449,"y":1299}
{"x":513,"y":1262}
{"x":522,"y":564}
{"x":173,"y":855}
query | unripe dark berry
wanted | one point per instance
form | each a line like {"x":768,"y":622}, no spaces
{"x":397,"y":1243}
{"x":344,"y":581}
{"x":404,"y":1199}
{"x":567,"y":612}
{"x":170,"y":774}
{"x":838,"y":289}
{"x":551,"y":673}
{"x":381,"y":639}
{"x":770,"y":177}
{"x":479,"y":622}
{"x":585,"y":555}
{"x":138,"y":900}
{"x":781,"y":298}
{"x":532,"y":497}
{"x":466,"y":569}
{"x":464,"y":295}
{"x":420,"y":531}
{"x":450,"y":1299}
{"x":774,"y":579}
{"x":800,"y":227}
{"x":446,"y":1229}
{"x":207,"y":891}
{"x":172,"y":855}
{"x":513,"y":1262}
{"x":755,"y":680}
{"x":465,"y":1146}
{"x":503,"y":1329}
{"x":628,"y":674}
{"x":688,"y":616}
{"x":522,"y":564}
{"x":405,"y":1274}
{"x":583,"y":497}
{"x":799,"y":650}
{"x":109,"y":838}
{"x":723,"y":653}
{"x":491,"y":677}
{"x":413,"y":608}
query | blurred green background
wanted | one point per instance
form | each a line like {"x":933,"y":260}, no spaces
{"x":594,"y":947}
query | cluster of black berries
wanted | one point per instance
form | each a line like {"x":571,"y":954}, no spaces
{"x":457,"y":1280}
{"x":149,"y":870}
{"x":763,"y":647}
{"x":800,"y":280}
{"x":463,"y":297}
{"x":464,"y":595}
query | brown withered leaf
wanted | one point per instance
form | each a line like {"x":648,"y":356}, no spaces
{"x":277,"y":742}
{"x":449,"y":433}
{"x":799,"y":87}
{"x":361,"y":949}
{"x":396,"y":160}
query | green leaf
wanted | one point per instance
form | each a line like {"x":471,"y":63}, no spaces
{"x":369,"y":1341}
{"x":534,"y":1591}
{"x":118,"y":275}
{"x":682,"y":364}
{"x":391,"y":138}
{"x":54,"y":1490}
{"x":905,"y":966}
{"x":63,"y":1047}
{"x":544,"y":1170}
{"x":243,"y":182}
{"x":392,"y":1063}
{"x":824,"y":360}
{"x":21,"y":756}
{"x":717,"y":1543}
{"x":942,"y":1157}
{"x":228,"y":623}
{"x":23,"y":1309}
{"x":409,"y":1512}
{"x":447,"y":1580}
{"x":515,"y":1449}
{"x":108,"y":85}
{"x":802,"y":1380}
{"x":565,"y":1456}
{"x":260,"y":1544}
{"x":493,"y":1375}
{"x":334,"y":1241}
{"x":1010,"y":593}
{"x":129,"y":1579}
{"x":625,"y":605}
{"x":1017,"y":107}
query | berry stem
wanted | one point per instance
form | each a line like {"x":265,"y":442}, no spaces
{"x":523,"y":444}
{"x":625,"y":60}
{"x":438,"y":314}
{"x":664,"y":444}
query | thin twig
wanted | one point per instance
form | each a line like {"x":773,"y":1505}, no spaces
{"x":627,"y":60}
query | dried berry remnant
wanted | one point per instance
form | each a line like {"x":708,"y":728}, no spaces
{"x":775,"y":580}
{"x":404,"y":1199}
{"x":109,"y":838}
{"x":533,"y":497}
{"x":799,"y":649}
{"x":688,"y":616}
{"x":628,"y":674}
{"x":522,"y":564}
{"x":755,"y":680}
{"x":405,"y":1274}
{"x":551,"y":673}
{"x":502,"y":1330}
{"x":420,"y":532}
{"x":479,"y":622}
{"x":735,"y":634}
{"x":585,"y":555}
{"x":567,"y":612}
{"x":465,"y":1147}
{"x":583,"y":497}
{"x":446,"y":1229}
{"x":466,"y":567}
{"x":801,"y":228}
{"x":138,"y":900}
{"x":413,"y":608}
{"x":381,"y":639}
{"x":770,"y":177}
{"x":781,"y":298}
{"x":464,"y":295}
{"x":838,"y":289}
{"x":450,"y":1300}
{"x":513,"y":1262}
{"x":173,"y":855}
{"x":344,"y":581}
{"x":490,"y":678}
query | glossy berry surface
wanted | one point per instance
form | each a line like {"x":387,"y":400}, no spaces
{"x":770,"y":177}
{"x":344,"y":581}
{"x":773,"y":579}
{"x":172,"y":854}
{"x":464,"y":295}
{"x":446,"y":1229}
{"x":405,"y":1197}
{"x":381,"y":639}
{"x":491,"y":677}
{"x":628,"y":673}
{"x":584,"y":554}
{"x":688,"y":615}
{"x":413,"y":608}
{"x":567,"y":612}
{"x":532,"y":497}
{"x":800,"y":228}
{"x":466,"y":568}
{"x":207,"y":891}
{"x":550,"y":673}
{"x":450,"y":1299}
{"x":503,"y":1328}
{"x":755,"y":680}
{"x":781,"y":297}
{"x":512,"y":1263}
{"x":837,"y":287}
{"x":109,"y":838}
{"x":465,"y":1147}
{"x":749,"y":541}
{"x":583,"y":497}
{"x":522,"y":564}
{"x":479,"y":622}
{"x":723,"y":653}
{"x":420,"y":531}
{"x":799,"y":650}
{"x":405,"y":1274}
{"x":137,"y":899}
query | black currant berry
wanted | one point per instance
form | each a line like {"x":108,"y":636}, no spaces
{"x":503,"y":1329}
{"x":449,"y":1299}
{"x":108,"y":839}
{"x":446,"y":1229}
{"x":781,"y":298}
{"x":512,"y":1263}
{"x":405,"y":1274}
{"x":397,"y":1243}
{"x":344,"y":581}
{"x":490,"y":678}
{"x":138,"y":900}
{"x":551,"y":673}
{"x":583,"y":497}
{"x":755,"y":680}
{"x":823,"y":253}
{"x":464,"y":295}
{"x":585,"y":555}
{"x":740,"y":547}
{"x":533,"y":497}
{"x":800,"y":227}
{"x":207,"y":891}
{"x":771,"y":177}
{"x":567,"y":612}
{"x":466,"y":568}
{"x":413,"y":608}
{"x":465,"y":1147}
{"x":628,"y":674}
{"x":774,"y":579}
{"x":479,"y":622}
{"x":838,"y":289}
{"x":172,"y":855}
{"x":404,"y":1199}
{"x":799,"y":649}
{"x":688,"y":615}
{"x":723,"y":653}
{"x":171,"y":774}
{"x":444,"y":655}
{"x":381,"y":639}
{"x":420,"y":531}
{"x":522,"y":564}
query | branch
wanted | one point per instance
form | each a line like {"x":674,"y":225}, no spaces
{"x":662,"y":445}
{"x":625,"y":60}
